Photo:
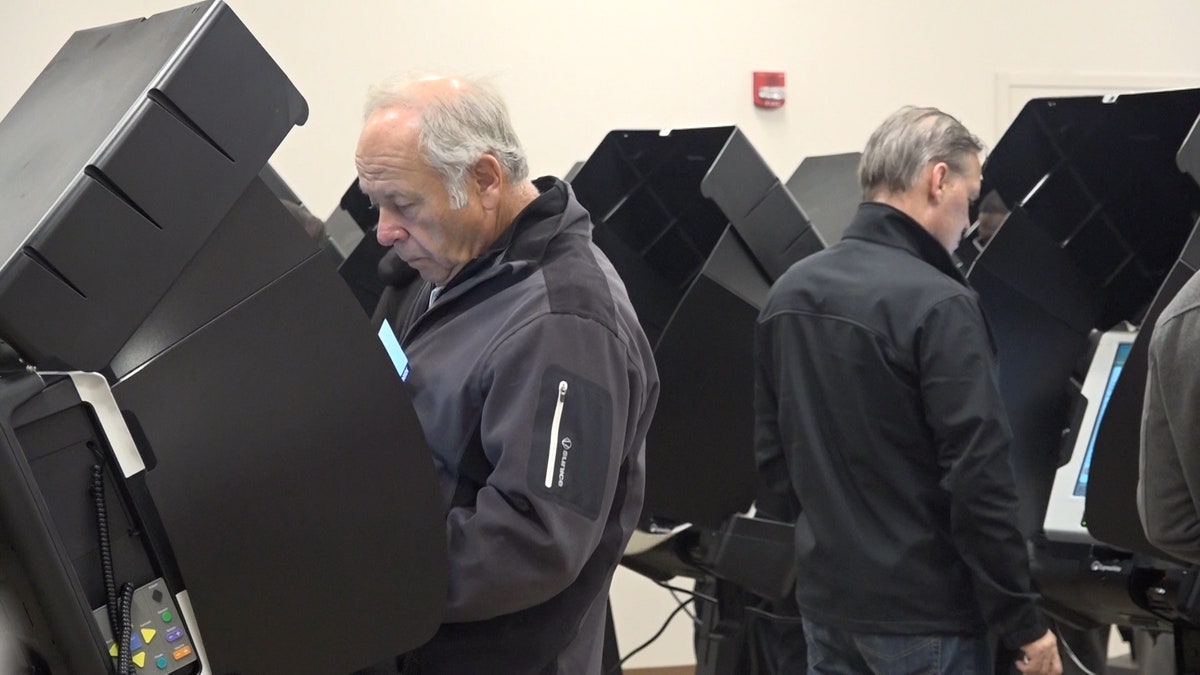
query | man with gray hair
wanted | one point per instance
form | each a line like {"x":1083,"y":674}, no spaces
{"x":878,"y":412}
{"x":530,"y":374}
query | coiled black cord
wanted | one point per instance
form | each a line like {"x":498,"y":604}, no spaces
{"x":118,"y":608}
{"x":110,"y":587}
{"x":123,"y":655}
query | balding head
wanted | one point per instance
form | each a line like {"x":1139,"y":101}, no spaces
{"x":458,"y":120}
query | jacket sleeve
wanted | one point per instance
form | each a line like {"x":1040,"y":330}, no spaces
{"x":564,"y":403}
{"x":1169,"y":476}
{"x":964,"y":409}
{"x":775,"y":498}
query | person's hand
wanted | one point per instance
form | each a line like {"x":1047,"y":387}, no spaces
{"x":1041,"y":656}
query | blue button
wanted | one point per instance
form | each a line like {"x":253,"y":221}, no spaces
{"x":174,"y":633}
{"x":135,"y":643}
{"x":161,"y":662}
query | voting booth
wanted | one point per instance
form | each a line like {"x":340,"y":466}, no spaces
{"x":1098,"y":238}
{"x":207,"y":460}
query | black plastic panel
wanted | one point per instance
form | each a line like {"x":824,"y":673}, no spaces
{"x":827,"y":187}
{"x":61,"y":449}
{"x":700,"y":448}
{"x":301,"y":489}
{"x":1040,"y":309}
{"x":128,"y":186}
{"x":287,"y":489}
{"x":1101,"y":214}
{"x":54,"y":599}
{"x":1099,"y":176}
{"x":255,"y":242}
{"x":698,"y":227}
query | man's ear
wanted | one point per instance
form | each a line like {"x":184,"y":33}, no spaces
{"x":938,"y":178}
{"x":488,"y":177}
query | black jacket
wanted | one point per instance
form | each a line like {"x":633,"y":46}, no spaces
{"x":878,"y":410}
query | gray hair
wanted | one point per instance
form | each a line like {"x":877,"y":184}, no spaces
{"x":906,"y":142}
{"x":456,"y":129}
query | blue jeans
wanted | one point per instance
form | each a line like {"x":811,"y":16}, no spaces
{"x":839,"y":652}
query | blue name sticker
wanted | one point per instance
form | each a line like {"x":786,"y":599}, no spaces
{"x":392,"y":345}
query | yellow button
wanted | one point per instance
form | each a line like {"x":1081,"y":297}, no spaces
{"x":148,"y":634}
{"x":112,"y":651}
{"x":182,"y":653}
{"x":139,"y":659}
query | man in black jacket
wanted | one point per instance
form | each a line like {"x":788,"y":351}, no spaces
{"x":878,"y":411}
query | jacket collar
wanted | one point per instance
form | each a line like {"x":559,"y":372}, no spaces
{"x":883,"y":224}
{"x":539,"y":222}
{"x":523,"y":244}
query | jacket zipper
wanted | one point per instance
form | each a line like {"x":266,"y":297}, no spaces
{"x":558,"y":408}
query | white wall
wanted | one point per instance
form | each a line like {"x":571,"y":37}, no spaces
{"x":572,"y":71}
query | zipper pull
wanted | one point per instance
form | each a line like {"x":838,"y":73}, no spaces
{"x":558,"y":409}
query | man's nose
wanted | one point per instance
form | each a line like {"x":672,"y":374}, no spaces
{"x":389,"y":230}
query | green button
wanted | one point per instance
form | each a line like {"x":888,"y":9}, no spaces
{"x":166,"y":616}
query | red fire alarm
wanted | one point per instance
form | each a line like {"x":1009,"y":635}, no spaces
{"x":769,"y":91}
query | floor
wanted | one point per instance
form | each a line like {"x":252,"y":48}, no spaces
{"x":1119,"y":662}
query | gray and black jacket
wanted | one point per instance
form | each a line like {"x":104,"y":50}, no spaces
{"x":535,"y":386}
{"x":1168,"y":493}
